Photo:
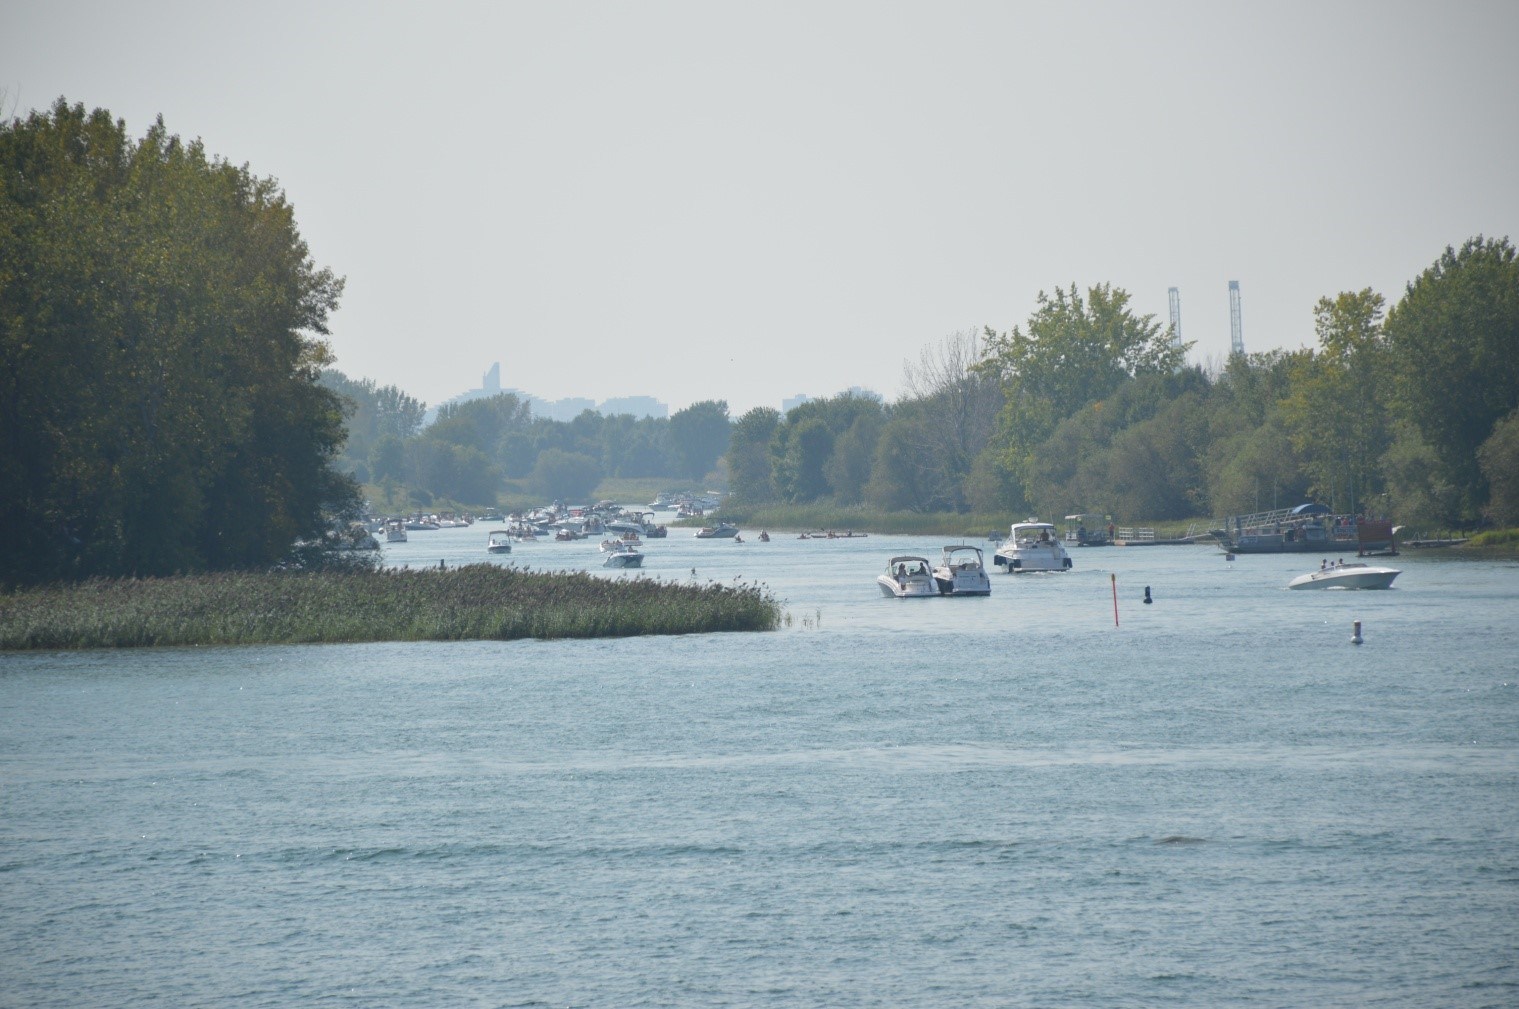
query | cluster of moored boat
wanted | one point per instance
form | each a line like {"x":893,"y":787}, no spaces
{"x":959,"y":572}
{"x":1031,"y":546}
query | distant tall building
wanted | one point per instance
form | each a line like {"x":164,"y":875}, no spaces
{"x":491,"y":383}
{"x":787,"y":405}
{"x":1236,"y":328}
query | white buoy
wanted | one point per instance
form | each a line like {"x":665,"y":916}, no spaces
{"x":1355,"y":634}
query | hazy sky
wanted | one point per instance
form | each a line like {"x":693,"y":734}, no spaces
{"x":705,"y":200}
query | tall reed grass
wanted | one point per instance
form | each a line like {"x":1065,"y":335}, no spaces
{"x":475,"y":602}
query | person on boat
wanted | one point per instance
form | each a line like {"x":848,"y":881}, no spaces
{"x":901,"y":574}
{"x":1324,"y":564}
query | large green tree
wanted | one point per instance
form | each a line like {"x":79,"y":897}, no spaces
{"x":805,"y":449}
{"x":1499,"y":459}
{"x":749,"y":455}
{"x":699,"y":436}
{"x":1454,"y":338}
{"x":1073,"y":351}
{"x":1336,"y":413}
{"x":159,"y":403}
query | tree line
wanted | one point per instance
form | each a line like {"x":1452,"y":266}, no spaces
{"x":160,"y":323}
{"x":1089,"y":407}
{"x":167,"y":403}
{"x":473,"y":447}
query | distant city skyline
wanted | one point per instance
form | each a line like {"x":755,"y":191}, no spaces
{"x":568,"y":408}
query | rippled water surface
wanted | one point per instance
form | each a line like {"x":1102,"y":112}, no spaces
{"x":1005,"y":801}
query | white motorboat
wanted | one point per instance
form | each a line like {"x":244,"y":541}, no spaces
{"x":908,"y":577}
{"x":1340,"y":575}
{"x":960,"y":572}
{"x":723,"y":530}
{"x":499,"y":541}
{"x":395,"y":531}
{"x":1032,"y":546}
{"x":623,"y":555}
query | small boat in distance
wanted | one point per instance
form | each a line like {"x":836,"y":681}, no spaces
{"x":395,"y":531}
{"x":1078,"y":535}
{"x":499,"y":541}
{"x":1341,"y":575}
{"x":960,"y":572}
{"x":907,"y":577}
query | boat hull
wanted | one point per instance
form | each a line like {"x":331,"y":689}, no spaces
{"x":964,"y":585}
{"x":912,"y":588}
{"x":1348,"y":577}
{"x":1020,"y":561}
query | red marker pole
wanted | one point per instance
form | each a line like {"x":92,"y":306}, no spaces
{"x":1114,"y":577}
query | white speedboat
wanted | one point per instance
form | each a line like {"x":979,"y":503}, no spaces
{"x":960,"y":572}
{"x":395,"y":531}
{"x":908,"y":577}
{"x":617,"y":543}
{"x":499,"y":541}
{"x":624,"y":555}
{"x":1354,"y":575}
{"x":1032,"y":546}
{"x":723,"y":530}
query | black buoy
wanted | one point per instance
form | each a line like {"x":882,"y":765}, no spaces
{"x":1148,"y":600}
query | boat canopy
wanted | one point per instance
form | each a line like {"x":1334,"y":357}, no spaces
{"x":1311,"y":509}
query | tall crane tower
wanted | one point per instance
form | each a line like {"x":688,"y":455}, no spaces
{"x":1236,"y":330}
{"x":1174,"y":296}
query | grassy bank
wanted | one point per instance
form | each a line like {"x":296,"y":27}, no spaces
{"x":1493,"y":543}
{"x":477,"y":602}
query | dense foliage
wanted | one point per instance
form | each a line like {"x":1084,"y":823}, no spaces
{"x":1089,"y":408}
{"x":159,"y":410}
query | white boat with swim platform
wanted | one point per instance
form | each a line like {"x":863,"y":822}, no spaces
{"x":961,"y":572}
{"x":623,"y":555}
{"x":1340,"y":575}
{"x":908,"y":577}
{"x":1032,"y":546}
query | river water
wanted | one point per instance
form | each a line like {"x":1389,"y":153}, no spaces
{"x":1005,"y":801}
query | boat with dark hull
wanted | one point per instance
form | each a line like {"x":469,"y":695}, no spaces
{"x":1306,"y":529}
